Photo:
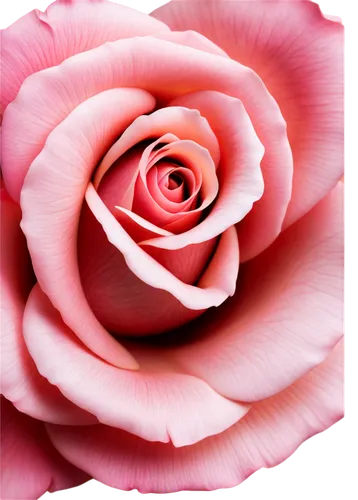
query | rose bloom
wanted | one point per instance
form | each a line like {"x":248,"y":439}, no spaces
{"x":171,"y":242}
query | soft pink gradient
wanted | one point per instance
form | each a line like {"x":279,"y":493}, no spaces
{"x":169,"y":404}
{"x":43,"y":39}
{"x":266,"y":436}
{"x":21,"y":381}
{"x":30,"y":464}
{"x":298,"y":52}
{"x":172,"y":242}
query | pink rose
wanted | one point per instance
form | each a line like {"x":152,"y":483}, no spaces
{"x":143,"y":158}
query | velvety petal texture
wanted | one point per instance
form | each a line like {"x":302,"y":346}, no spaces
{"x":267,"y":435}
{"x":54,"y":191}
{"x":285,"y":317}
{"x":157,"y":402}
{"x":139,"y":293}
{"x":298,"y":53}
{"x":42,"y":39}
{"x":240,"y":175}
{"x":134,"y":62}
{"x":20,"y":381}
{"x":30,"y":465}
{"x":172,"y":242}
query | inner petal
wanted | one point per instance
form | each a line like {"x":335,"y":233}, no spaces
{"x":199,"y":171}
{"x":173,"y":187}
{"x":174,"y":181}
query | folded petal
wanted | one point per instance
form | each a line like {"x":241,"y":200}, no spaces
{"x":270,"y":432}
{"x":199,"y":162}
{"x":52,"y":198}
{"x":181,"y":122}
{"x":301,"y":63}
{"x":157,"y":403}
{"x":21,"y":382}
{"x":121,"y":301}
{"x":285,"y":316}
{"x":30,"y":465}
{"x":42,"y":39}
{"x":239,"y":173}
{"x":215,"y":285}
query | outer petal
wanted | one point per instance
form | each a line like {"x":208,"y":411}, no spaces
{"x":21,"y":383}
{"x":43,"y":39}
{"x":285,"y":316}
{"x":298,"y":53}
{"x":157,"y":403}
{"x":52,"y":199}
{"x":266,"y":436}
{"x":30,"y":465}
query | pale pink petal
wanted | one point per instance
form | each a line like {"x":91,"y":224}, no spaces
{"x":298,"y":53}
{"x":30,"y":465}
{"x":192,"y":39}
{"x":51,"y":201}
{"x":183,"y":123}
{"x":111,"y":287}
{"x":21,"y":382}
{"x":139,"y":228}
{"x":164,"y":68}
{"x":121,"y":301}
{"x":127,"y":293}
{"x":157,"y":403}
{"x":43,"y":39}
{"x":285,"y":316}
{"x":270,"y":432}
{"x":117,"y":186}
{"x":239,"y":174}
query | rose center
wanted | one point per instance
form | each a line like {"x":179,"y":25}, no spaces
{"x":174,"y":181}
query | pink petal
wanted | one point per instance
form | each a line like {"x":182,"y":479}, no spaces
{"x":134,"y":63}
{"x":43,"y":39}
{"x":30,"y":465}
{"x":157,"y":403}
{"x":270,"y":432}
{"x":192,"y":39}
{"x":121,"y":301}
{"x":301,"y":63}
{"x":117,"y":186}
{"x":21,"y":383}
{"x":239,"y":174}
{"x":183,"y":123}
{"x":167,"y":192}
{"x":51,"y":201}
{"x":126,"y":304}
{"x":199,"y":161}
{"x":285,"y":316}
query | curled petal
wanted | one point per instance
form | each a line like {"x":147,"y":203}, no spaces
{"x":285,"y":317}
{"x":42,"y":39}
{"x":21,"y":382}
{"x":240,"y":175}
{"x":135,"y":63}
{"x":157,"y":403}
{"x":155,"y":275}
{"x":269,"y":433}
{"x":51,"y":201}
{"x":185,"y":124}
{"x":301,"y":63}
{"x":30,"y":465}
